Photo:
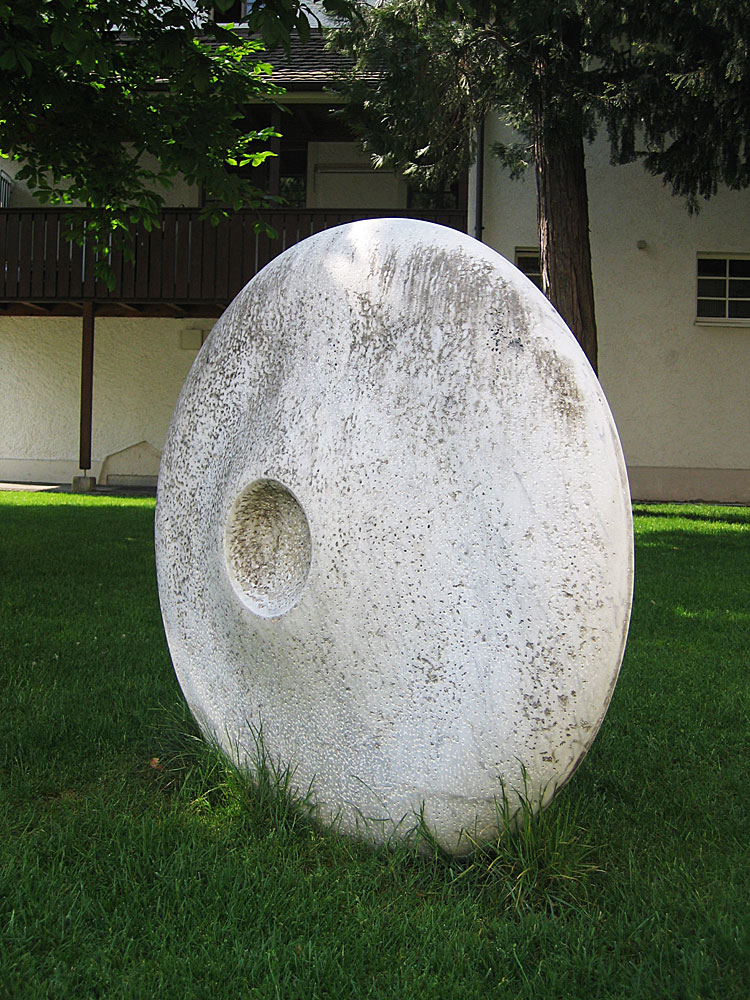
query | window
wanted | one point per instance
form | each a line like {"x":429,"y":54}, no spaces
{"x":234,"y":13}
{"x":723,"y":289}
{"x":293,"y":189}
{"x":528,"y":261}
{"x":429,"y":199}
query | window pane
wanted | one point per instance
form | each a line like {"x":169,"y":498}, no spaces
{"x":711,"y":267}
{"x":739,"y":288}
{"x":294,"y":191}
{"x":527,"y":264}
{"x":715,"y":287}
{"x":739,"y":268}
{"x":739,"y":309}
{"x":711,"y":308}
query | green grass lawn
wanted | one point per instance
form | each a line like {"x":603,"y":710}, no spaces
{"x":134,"y":863}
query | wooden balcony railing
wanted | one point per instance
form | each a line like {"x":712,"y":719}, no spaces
{"x":186,"y":263}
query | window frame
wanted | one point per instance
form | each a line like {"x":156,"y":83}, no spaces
{"x":727,"y":298}
{"x":519,"y":252}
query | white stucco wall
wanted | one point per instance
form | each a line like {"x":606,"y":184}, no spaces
{"x":40,"y":362}
{"x":139,"y":368}
{"x":679,"y":391}
{"x":179,"y":195}
{"x":340,"y":175}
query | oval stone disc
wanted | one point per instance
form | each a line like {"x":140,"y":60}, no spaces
{"x":393,"y":531}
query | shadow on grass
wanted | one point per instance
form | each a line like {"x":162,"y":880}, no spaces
{"x":693,"y":513}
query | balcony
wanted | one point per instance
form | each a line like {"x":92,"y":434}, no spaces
{"x":188,"y":267}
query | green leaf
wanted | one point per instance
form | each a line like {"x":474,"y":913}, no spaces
{"x":8,"y":59}
{"x":25,"y":64}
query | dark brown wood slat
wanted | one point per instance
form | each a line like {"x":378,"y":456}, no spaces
{"x":182,"y":231}
{"x":38,"y":256}
{"x":11,"y":250}
{"x":168,"y":227}
{"x":195,"y":265}
{"x":64,"y":250}
{"x":51,"y":255}
{"x":221,"y":261}
{"x":298,"y":227}
{"x":326,"y":221}
{"x":127,"y":270}
{"x":317,"y":223}
{"x":235,"y":264}
{"x":208,"y":270}
{"x":286,"y":225}
{"x":102,"y":291}
{"x":25,"y":243}
{"x":306,"y":224}
{"x":303,"y":227}
{"x":75,"y":272}
{"x":155,"y":264}
{"x":3,"y":251}
{"x":89,"y":270}
{"x":141,"y":264}
{"x":329,"y":219}
{"x":263,"y":243}
{"x":249,"y":251}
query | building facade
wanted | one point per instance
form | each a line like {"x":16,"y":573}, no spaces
{"x":89,"y":376}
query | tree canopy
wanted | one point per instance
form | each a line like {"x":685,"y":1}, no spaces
{"x":668,"y":79}
{"x":681,"y":104}
{"x":106,"y":102}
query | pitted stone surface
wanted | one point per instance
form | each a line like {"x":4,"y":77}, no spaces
{"x":268,"y":548}
{"x":393,"y":530}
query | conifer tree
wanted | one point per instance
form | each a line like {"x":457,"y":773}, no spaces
{"x":668,"y":79}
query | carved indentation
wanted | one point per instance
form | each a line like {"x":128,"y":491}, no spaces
{"x":268,"y":548}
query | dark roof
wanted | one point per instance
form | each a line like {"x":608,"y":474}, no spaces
{"x":308,"y":66}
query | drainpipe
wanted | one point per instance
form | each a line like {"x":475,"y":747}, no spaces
{"x":479,"y":186}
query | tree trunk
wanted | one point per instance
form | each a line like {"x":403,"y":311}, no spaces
{"x":562,"y":200}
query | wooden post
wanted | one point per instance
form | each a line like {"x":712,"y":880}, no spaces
{"x":87,"y":386}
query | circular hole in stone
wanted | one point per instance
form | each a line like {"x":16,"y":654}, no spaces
{"x":268,"y":548}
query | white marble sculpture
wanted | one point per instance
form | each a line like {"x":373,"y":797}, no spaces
{"x":393,"y":530}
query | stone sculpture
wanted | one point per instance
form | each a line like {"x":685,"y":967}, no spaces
{"x":393,"y":530}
